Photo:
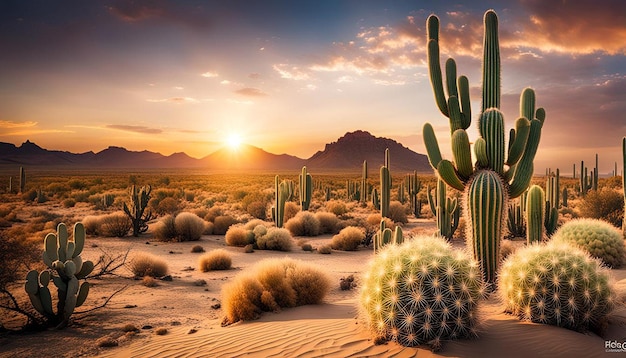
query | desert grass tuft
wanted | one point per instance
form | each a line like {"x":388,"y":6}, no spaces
{"x":348,"y":239}
{"x":145,"y":264}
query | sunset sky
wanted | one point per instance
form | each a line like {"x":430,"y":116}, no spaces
{"x":290,"y":76}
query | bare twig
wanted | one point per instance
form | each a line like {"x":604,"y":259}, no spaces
{"x":108,"y":264}
{"x":102,"y":305}
{"x":14,"y":306}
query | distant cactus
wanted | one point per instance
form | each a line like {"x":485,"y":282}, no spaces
{"x":446,"y":210}
{"x":516,"y":221}
{"x":138,"y":201}
{"x":421,"y":292}
{"x":601,"y":239}
{"x":364,"y":184}
{"x":107,"y":200}
{"x":306,"y":189}
{"x":282,"y":192}
{"x":375,"y":199}
{"x":385,"y":187}
{"x":552,"y":202}
{"x":384,"y":236}
{"x":556,"y":284}
{"x":22,"y":180}
{"x":65,"y":269}
{"x":413,"y":185}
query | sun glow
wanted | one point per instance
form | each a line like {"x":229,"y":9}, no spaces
{"x":233,"y":141}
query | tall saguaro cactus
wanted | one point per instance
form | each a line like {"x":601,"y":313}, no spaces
{"x":306,"y":189}
{"x":22,"y":180}
{"x":364,"y":184}
{"x":385,"y":187}
{"x":139,"y":199}
{"x":499,"y":173}
{"x":282,"y":191}
{"x":552,"y":203}
{"x":65,"y":268}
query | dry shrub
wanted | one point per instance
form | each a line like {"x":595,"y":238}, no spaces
{"x":348,"y":239}
{"x":168,"y":205}
{"x":328,"y":222}
{"x":105,"y":342}
{"x":149,"y":281}
{"x":258,"y":209}
{"x":197,"y":249}
{"x":275,"y":284}
{"x":336,"y":207}
{"x":291,"y":209}
{"x":307,"y":247}
{"x":303,"y":224}
{"x":374,"y":220}
{"x":208,"y":228}
{"x":606,"y":204}
{"x":145,"y":264}
{"x":275,"y":239}
{"x":325,"y":250}
{"x":250,"y":225}
{"x":18,"y":254}
{"x":91,"y":224}
{"x":165,"y":229}
{"x":115,"y":225}
{"x":237,"y":235}
{"x":189,"y":227}
{"x":222,"y":223}
{"x":69,"y":203}
{"x":397,"y":212}
{"x":213,"y":213}
{"x":161,"y":331}
{"x":215,"y":260}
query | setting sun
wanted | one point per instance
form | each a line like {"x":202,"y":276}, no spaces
{"x":233,"y":141}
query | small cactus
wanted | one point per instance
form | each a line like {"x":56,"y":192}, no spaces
{"x":421,"y":292}
{"x":535,"y":214}
{"x":601,"y":239}
{"x":556,"y":284}
{"x":139,"y":199}
{"x":447,"y":210}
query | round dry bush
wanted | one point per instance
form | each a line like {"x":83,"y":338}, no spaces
{"x":275,"y":284}
{"x":397,"y":212}
{"x":275,"y":239}
{"x":196,"y":249}
{"x":336,"y":207}
{"x":145,"y":264}
{"x":374,"y":220}
{"x":189,"y":227}
{"x":91,"y":224}
{"x":165,"y":229}
{"x":599,"y":238}
{"x":606,"y":204}
{"x":222,"y":223}
{"x":259,"y":231}
{"x":325,"y":249}
{"x":250,"y":225}
{"x":258,"y":209}
{"x":115,"y":225}
{"x":237,"y":235}
{"x":303,"y":224}
{"x":168,"y":205}
{"x":213,"y":213}
{"x":329,"y":222}
{"x":215,"y":260}
{"x":291,"y":209}
{"x":208,"y":228}
{"x":348,"y":239}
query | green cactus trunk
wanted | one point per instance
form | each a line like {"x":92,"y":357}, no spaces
{"x":22,"y":180}
{"x":445,"y":209}
{"x":486,"y":199}
{"x":138,"y":199}
{"x":306,"y":189}
{"x":385,"y":187}
{"x":535,"y":214}
{"x":364,"y":183}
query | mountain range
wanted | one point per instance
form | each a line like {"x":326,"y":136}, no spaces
{"x":347,"y":153}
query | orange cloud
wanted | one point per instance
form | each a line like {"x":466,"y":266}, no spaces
{"x":178,"y":100}
{"x":251,"y":92}
{"x":11,"y":124}
{"x":135,"y":129}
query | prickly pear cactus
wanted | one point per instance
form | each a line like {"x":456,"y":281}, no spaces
{"x":65,"y":268}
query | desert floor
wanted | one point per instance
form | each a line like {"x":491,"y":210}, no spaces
{"x":190,"y":312}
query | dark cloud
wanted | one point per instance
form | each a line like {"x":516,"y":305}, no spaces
{"x":135,"y":129}
{"x":251,"y":92}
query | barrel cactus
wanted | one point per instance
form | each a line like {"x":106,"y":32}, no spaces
{"x":421,"y":292}
{"x":499,"y":173}
{"x":65,"y":268}
{"x":556,"y":284}
{"x":601,"y":239}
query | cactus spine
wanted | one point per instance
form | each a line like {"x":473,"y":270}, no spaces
{"x":493,"y":179}
{"x":385,"y":187}
{"x":445,"y":209}
{"x":139,"y":199}
{"x":306,"y":189}
{"x":65,"y":269}
{"x":535,"y":214}
{"x":282,"y":192}
{"x":22,"y":180}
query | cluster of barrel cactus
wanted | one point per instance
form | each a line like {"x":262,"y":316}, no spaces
{"x":556,"y":284}
{"x":492,"y":180}
{"x":421,"y":292}
{"x":601,"y":239}
{"x":65,"y":268}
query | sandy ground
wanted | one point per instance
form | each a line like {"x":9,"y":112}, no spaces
{"x":192,"y":316}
